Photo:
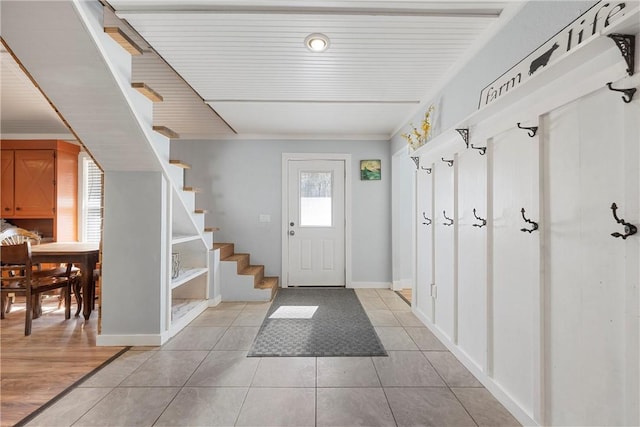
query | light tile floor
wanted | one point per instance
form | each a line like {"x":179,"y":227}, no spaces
{"x":202,"y":377}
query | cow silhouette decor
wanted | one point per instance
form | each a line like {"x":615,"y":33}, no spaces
{"x":542,"y":60}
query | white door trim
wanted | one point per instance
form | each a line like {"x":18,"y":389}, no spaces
{"x":347,"y":209}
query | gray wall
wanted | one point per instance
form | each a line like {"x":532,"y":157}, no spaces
{"x":534,"y":24}
{"x":241,"y":180}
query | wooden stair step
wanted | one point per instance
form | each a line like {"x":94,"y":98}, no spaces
{"x":257,"y":271}
{"x":144,"y":89}
{"x":180,"y":164}
{"x":200,"y":211}
{"x":191,"y":189}
{"x":169,"y":133}
{"x":226,"y":250}
{"x":270,"y":283}
{"x":241,"y":259}
{"x":123,"y":40}
{"x":211,"y":229}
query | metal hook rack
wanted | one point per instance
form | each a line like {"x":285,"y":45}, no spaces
{"x":444,"y":213}
{"x":449,"y":162}
{"x":424,"y":215}
{"x":481,"y":150}
{"x":464,"y":133}
{"x":428,"y":170}
{"x":627,"y":45}
{"x":528,"y":221}
{"x":416,"y":160}
{"x":484,"y":221}
{"x":629,"y":229}
{"x":628,"y":93}
{"x":531,"y":130}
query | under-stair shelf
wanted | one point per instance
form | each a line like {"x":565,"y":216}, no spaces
{"x":123,"y":40}
{"x":144,"y":89}
{"x":186,"y":275}
{"x":183,"y":239}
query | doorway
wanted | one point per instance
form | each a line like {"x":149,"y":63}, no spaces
{"x":315,"y":220}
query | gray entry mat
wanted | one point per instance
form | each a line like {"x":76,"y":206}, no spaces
{"x":316,"y":322}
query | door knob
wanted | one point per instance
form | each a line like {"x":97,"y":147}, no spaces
{"x":292,"y":233}
{"x":291,"y":223}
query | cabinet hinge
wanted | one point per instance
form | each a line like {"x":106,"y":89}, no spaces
{"x":55,"y":155}
{"x":54,"y":182}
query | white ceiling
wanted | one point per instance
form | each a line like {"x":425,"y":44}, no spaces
{"x":24,"y":111}
{"x":239,"y":68}
{"x":247,"y":59}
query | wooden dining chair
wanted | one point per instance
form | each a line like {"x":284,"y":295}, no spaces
{"x":16,"y":235}
{"x":18,"y":278}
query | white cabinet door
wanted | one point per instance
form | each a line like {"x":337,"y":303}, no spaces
{"x":444,"y":245}
{"x":515,"y":263}
{"x":472,"y":255}
{"x":590,"y":150}
{"x":422,"y":300}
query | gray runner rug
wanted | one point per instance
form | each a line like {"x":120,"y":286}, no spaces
{"x":316,"y":322}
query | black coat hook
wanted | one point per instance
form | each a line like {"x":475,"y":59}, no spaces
{"x":428,"y":220}
{"x":484,"y":221}
{"x":482,"y":150}
{"x":528,"y":221}
{"x":629,"y":229}
{"x":428,"y":170}
{"x":628,"y":93}
{"x":449,"y":162}
{"x":532,"y":130}
{"x":447,"y":218}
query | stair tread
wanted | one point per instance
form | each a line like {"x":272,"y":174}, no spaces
{"x":226,"y":249}
{"x":236,"y":257}
{"x":147,"y":91}
{"x":252,"y":270}
{"x":268,"y":282}
{"x":194,"y":189}
{"x":211,"y":229}
{"x":169,"y":133}
{"x":200,"y":211}
{"x":180,"y":164}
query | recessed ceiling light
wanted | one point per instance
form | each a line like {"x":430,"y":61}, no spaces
{"x":317,"y":42}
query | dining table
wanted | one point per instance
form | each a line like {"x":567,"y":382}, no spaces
{"x":81,"y":254}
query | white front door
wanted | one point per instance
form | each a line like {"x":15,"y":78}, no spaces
{"x":316,"y":222}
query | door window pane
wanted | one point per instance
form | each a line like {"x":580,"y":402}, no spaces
{"x":315,"y":199}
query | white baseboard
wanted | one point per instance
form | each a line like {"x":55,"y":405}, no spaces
{"x":147,"y":340}
{"x":376,"y":285}
{"x":402,"y":284}
{"x":495,"y":389}
{"x":215,"y":301}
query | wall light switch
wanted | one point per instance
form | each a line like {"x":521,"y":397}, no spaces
{"x":265,"y":218}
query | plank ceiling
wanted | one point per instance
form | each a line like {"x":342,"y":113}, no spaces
{"x":239,"y":68}
{"x":247,"y":59}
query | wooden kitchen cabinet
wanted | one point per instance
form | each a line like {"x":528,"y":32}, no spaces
{"x":40,"y":187}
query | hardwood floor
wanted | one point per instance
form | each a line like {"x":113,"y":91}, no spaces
{"x":35,"y":369}
{"x":406,"y":294}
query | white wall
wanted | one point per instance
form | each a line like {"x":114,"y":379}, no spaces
{"x":402,"y":195}
{"x":241,"y":180}
{"x":135,"y":206}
